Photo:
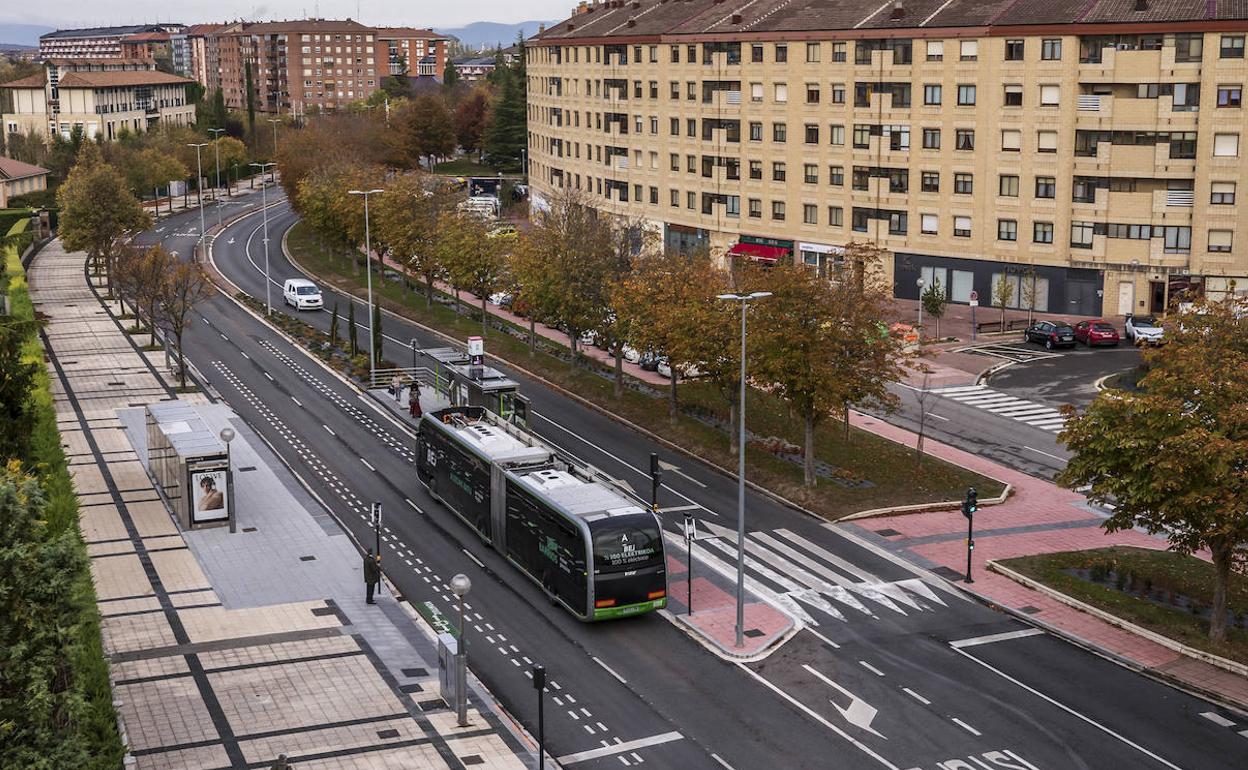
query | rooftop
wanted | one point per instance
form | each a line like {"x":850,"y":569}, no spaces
{"x":15,"y":169}
{"x":131,"y":29}
{"x":428,"y":34}
{"x":651,"y":18}
{"x":124,"y":78}
{"x":297,"y":25}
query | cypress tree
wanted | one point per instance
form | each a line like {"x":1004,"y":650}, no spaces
{"x":353,"y":343}
{"x":377,"y":337}
{"x":333,"y":327}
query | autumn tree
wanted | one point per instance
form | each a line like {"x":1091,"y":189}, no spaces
{"x":147,"y":274}
{"x":150,"y":169}
{"x":97,"y":209}
{"x":1003,"y":294}
{"x":1172,"y":457}
{"x":480,"y":261}
{"x":425,"y":130}
{"x":471,"y":118}
{"x":934,"y":302}
{"x":185,"y":286}
{"x":631,"y":240}
{"x":405,"y":222}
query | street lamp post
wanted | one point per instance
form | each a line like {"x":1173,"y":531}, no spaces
{"x":264,"y":208}
{"x":460,"y":586}
{"x":275,"y":121}
{"x":368,"y":269}
{"x":920,"y":283}
{"x":216,"y":147}
{"x":199,"y":190}
{"x":744,"y":299}
{"x":227,"y":435}
{"x":539,"y":684}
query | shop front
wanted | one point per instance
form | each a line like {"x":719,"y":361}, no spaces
{"x":1041,"y":288}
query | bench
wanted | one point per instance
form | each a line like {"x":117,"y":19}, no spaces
{"x":1013,"y":324}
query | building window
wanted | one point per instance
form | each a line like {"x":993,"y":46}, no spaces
{"x":654,"y":196}
{"x":836,"y":216}
{"x":1178,"y":240}
{"x":812,"y":93}
{"x":1189,"y":47}
{"x":812,"y":133}
{"x":675,"y":197}
{"x":1223,"y":193}
{"x":1042,"y":232}
{"x":838,"y":52}
{"x":897,"y":223}
{"x":675,"y":162}
{"x":777,"y":210}
{"x":1050,"y":95}
{"x":836,"y":176}
{"x":756,"y":208}
{"x":1013,"y":96}
{"x":756,"y":169}
{"x":1220,"y":241}
{"x":862,"y":136}
{"x":1230,"y":96}
{"x":837,"y":95}
{"x":810,"y":214}
{"x":862,"y":178}
{"x":691,"y":164}
{"x":1011,"y":140}
{"x":812,"y":52}
{"x":779,"y":132}
{"x":931,"y":138}
{"x":969,"y":50}
{"x":756,"y":92}
{"x":963,"y":184}
{"x":691,"y":54}
{"x":935,"y":50}
{"x":810,"y":173}
{"x":962,"y":227}
{"x":654,"y":54}
{"x":691,"y":200}
{"x":1007,"y":229}
{"x":654,"y":89}
{"x":756,"y":53}
{"x":1013,"y":50}
{"x":898,"y":137}
{"x":931,"y":93}
{"x":836,"y":134}
{"x":777,"y":171}
{"x":1225,"y":145}
{"x":675,"y":54}
{"x":1081,"y":235}
{"x":782,"y":93}
{"x":782,"y":53}
{"x":756,"y":132}
{"x":691,"y":127}
{"x":966,"y":95}
{"x":928,"y":224}
{"x":1046,"y":141}
{"x":1232,"y":47}
{"x":1046,"y":187}
{"x":1007,"y":186}
{"x":929,"y":181}
{"x":674,"y":93}
{"x":1051,"y":49}
{"x":964,"y":139}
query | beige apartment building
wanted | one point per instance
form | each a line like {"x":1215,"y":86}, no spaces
{"x":1093,"y":147}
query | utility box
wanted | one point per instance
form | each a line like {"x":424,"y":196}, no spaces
{"x":448,"y":668}
{"x":190,"y":464}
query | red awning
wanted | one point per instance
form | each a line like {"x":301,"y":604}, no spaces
{"x":759,"y":252}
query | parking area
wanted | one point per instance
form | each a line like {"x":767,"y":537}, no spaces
{"x":1057,"y":377}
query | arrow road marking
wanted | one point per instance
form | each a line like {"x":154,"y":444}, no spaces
{"x":669,"y":467}
{"x":859,"y":713}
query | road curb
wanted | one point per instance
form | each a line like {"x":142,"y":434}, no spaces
{"x":1225,"y":664}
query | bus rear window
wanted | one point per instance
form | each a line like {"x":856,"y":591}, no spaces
{"x":626,"y":543}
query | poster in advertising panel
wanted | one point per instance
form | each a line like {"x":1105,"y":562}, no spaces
{"x":208,"y":496}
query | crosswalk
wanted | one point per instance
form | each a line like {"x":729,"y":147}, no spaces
{"x":996,"y":402}
{"x":806,"y":580}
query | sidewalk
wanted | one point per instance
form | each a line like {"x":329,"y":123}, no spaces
{"x":1040,"y":517}
{"x":228,"y":649}
{"x":190,"y":201}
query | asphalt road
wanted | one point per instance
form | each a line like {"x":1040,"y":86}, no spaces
{"x":1067,"y":378}
{"x":872,"y":681}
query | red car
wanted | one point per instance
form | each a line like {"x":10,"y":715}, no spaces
{"x":1099,"y":332}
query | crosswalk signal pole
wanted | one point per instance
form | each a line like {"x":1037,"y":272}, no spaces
{"x":539,"y":684}
{"x":376,"y":522}
{"x":969,"y":506}
{"x":690,"y":536}
{"x":656,"y":478}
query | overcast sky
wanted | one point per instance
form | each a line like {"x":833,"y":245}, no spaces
{"x":420,"y":13}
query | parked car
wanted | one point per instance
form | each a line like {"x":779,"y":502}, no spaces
{"x":649,"y":361}
{"x":1051,"y":334}
{"x":302,"y":294}
{"x":1098,"y":332}
{"x":503,"y":299}
{"x":631,"y":354}
{"x":1144,"y":330}
{"x":688,"y":372}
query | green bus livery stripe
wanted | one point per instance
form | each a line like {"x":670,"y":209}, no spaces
{"x":607,"y":613}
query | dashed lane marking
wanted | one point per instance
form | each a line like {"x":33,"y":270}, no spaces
{"x":609,"y":670}
{"x":916,"y":696}
{"x":622,"y":748}
{"x":967,"y":727}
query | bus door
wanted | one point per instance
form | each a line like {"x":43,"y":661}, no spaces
{"x":498,"y":507}
{"x":518,"y":409}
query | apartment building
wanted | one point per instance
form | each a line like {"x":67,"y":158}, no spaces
{"x":404,"y":50}
{"x":1093,"y":148}
{"x":95,"y":42}
{"x":102,"y":97}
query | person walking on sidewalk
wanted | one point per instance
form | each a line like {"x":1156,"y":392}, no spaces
{"x":413,"y":400}
{"x":372,"y":574}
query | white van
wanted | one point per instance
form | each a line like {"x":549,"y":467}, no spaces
{"x":302,"y":294}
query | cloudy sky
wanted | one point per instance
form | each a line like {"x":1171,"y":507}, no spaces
{"x":424,"y":13}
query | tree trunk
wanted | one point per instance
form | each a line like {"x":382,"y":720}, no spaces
{"x":671,"y":404}
{"x":484,"y":315}
{"x":532,"y":334}
{"x":181,"y":362}
{"x":428,"y":291}
{"x":847,"y":434}
{"x":938,"y":337}
{"x":619,"y":372}
{"x":457,"y":305}
{"x":151,"y":325}
{"x":733,"y":431}
{"x":1221,"y":552}
{"x":572,"y":345}
{"x":808,"y":454}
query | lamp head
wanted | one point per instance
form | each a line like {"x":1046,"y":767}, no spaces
{"x":461,"y":585}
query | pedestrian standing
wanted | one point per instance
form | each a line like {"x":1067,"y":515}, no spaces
{"x":396,"y":387}
{"x":372,"y":574}
{"x":413,"y":400}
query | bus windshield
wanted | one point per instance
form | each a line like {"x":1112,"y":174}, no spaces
{"x":626,"y":543}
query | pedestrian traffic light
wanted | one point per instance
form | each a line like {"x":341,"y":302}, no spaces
{"x":971,"y":504}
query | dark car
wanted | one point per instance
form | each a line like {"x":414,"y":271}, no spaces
{"x":1098,"y":332}
{"x":1051,"y":334}
{"x":649,"y":361}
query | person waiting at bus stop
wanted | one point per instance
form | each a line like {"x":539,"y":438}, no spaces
{"x":372,"y":574}
{"x":413,"y":400}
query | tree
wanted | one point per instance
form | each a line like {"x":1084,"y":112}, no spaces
{"x":353,"y":340}
{"x":1030,"y":291}
{"x":450,"y":77}
{"x":96,"y":208}
{"x":934,"y":303}
{"x":480,"y":263}
{"x":250,"y":85}
{"x":185,"y":286}
{"x":508,"y":130}
{"x":333,"y":326}
{"x":232,"y":151}
{"x":405,"y":222}
{"x":471,"y":118}
{"x":149,"y":169}
{"x":376,"y":334}
{"x":17,"y":379}
{"x":147,"y":275}
{"x":425,"y":130}
{"x":1173,"y":456}
{"x":1003,"y":293}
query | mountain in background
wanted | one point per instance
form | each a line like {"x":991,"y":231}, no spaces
{"x":489,"y":33}
{"x":23,"y":35}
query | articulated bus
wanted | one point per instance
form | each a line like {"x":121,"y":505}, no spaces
{"x":583,"y":539}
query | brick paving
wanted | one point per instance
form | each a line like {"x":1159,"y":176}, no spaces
{"x":1040,"y":517}
{"x":209,"y":672}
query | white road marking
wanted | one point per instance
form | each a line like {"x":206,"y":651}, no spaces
{"x":610,"y":670}
{"x":675,"y":508}
{"x":721,"y":761}
{"x":621,"y":748}
{"x":368,"y":465}
{"x":475,"y":559}
{"x":414,"y":505}
{"x":991,"y":638}
{"x":1068,"y":710}
{"x":227,"y":339}
{"x":1217,"y":719}
{"x":858,"y":713}
{"x":297,"y":401}
{"x":916,"y":696}
{"x":245,"y":355}
{"x":937,"y":416}
{"x":967,"y":727}
{"x":1046,"y":454}
{"x":266,"y":374}
{"x":871,"y":668}
{"x":330,"y":430}
{"x":675,"y":469}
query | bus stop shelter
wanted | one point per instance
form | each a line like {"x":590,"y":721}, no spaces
{"x":191,"y":465}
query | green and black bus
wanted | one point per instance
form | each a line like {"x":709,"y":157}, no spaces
{"x":591,"y":546}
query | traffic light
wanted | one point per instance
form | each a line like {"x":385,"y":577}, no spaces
{"x":971,"y":504}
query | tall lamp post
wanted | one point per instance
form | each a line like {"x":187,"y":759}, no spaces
{"x":199,"y":190}
{"x":216,"y":147}
{"x":920,"y":283}
{"x":264,"y":208}
{"x":227,"y":435}
{"x":275,"y":121}
{"x":368,"y":269}
{"x":744,"y":299}
{"x":460,"y":586}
